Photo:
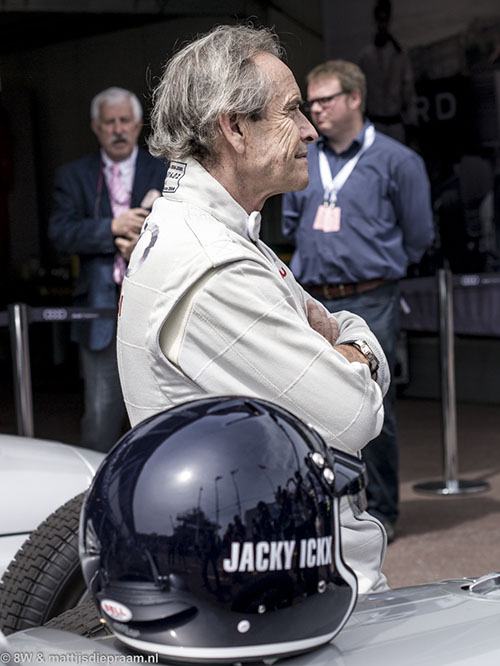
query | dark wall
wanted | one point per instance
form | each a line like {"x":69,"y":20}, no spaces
{"x":47,"y":92}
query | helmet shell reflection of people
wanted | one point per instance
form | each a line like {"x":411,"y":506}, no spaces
{"x":211,"y":533}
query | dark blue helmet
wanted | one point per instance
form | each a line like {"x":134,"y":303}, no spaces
{"x":211,"y":533}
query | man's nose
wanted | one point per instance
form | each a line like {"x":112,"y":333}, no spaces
{"x":117,"y":127}
{"x":307,"y":132}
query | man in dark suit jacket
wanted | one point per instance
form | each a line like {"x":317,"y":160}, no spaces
{"x":100,"y":202}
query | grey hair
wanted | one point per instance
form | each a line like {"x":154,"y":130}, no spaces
{"x":213,"y":75}
{"x":115,"y":96}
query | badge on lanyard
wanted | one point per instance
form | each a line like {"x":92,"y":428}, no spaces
{"x":327,"y":218}
{"x":328,"y":214}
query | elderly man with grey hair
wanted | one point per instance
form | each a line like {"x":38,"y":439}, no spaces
{"x":207,"y":308}
{"x":100,"y":202}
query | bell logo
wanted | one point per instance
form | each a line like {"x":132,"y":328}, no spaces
{"x":116,"y":610}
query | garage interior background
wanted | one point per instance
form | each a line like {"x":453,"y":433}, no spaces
{"x":56,"y":54}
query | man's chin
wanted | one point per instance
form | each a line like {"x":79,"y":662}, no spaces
{"x":304,"y":183}
{"x":301,"y":181}
{"x":119,"y":152}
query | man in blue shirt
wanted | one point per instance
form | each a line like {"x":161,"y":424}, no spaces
{"x":365,"y":215}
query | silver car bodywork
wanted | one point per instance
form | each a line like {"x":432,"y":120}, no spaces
{"x":36,"y":477}
{"x":448,"y":623}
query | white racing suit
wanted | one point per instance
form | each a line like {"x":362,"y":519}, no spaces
{"x":208,"y":309}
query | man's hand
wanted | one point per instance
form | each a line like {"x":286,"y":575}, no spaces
{"x":323,"y":324}
{"x":129,"y":224}
{"x":351,"y":353}
{"x":328,"y":327}
{"x":126,"y":245}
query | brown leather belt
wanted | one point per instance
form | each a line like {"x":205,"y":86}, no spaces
{"x":332,"y":291}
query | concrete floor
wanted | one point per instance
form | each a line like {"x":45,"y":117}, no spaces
{"x":437,"y":537}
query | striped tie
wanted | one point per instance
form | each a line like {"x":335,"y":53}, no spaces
{"x":120,"y":203}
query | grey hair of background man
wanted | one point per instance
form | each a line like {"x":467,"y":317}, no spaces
{"x":115,"y":96}
{"x":350,"y":77}
{"x":212,"y":76}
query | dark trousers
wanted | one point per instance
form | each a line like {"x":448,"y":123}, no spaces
{"x":104,"y":409}
{"x":380,"y":309}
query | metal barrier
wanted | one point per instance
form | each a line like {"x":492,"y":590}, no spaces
{"x":19,"y":341}
{"x":451,"y":484}
{"x":18,"y":318}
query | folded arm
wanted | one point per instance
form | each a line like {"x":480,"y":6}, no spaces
{"x":244,"y":335}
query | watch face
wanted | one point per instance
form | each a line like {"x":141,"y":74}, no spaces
{"x":368,"y":354}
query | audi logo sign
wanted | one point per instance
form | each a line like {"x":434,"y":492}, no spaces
{"x":470,"y":280}
{"x":54,"y":314}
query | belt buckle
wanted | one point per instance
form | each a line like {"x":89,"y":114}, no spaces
{"x":330,"y":293}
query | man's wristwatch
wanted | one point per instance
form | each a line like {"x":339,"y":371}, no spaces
{"x":362,"y":346}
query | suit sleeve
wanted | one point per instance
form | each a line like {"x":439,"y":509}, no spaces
{"x":353,"y":327}
{"x":244,"y":336}
{"x":73,"y":229}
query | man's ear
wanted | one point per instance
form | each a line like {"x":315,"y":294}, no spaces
{"x":354,"y":99}
{"x":233,"y":130}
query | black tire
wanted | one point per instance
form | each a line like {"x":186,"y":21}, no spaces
{"x":44,"y":579}
{"x":83,"y":620}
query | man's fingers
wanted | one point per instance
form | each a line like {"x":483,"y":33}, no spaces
{"x":314,"y":316}
{"x":130,"y":221}
{"x":320,"y":321}
{"x":334,"y":330}
{"x":125,"y":246}
{"x":141,"y":213}
{"x":122,"y":244}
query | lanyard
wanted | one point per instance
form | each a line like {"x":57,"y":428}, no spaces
{"x":332,"y":186}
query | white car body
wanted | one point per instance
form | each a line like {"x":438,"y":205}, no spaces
{"x":37,"y":476}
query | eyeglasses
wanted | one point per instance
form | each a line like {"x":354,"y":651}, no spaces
{"x":322,"y":101}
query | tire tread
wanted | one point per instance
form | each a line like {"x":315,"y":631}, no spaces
{"x":41,"y":568}
{"x":83,"y":620}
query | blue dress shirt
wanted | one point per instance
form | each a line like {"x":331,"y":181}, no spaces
{"x":386,"y":215}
